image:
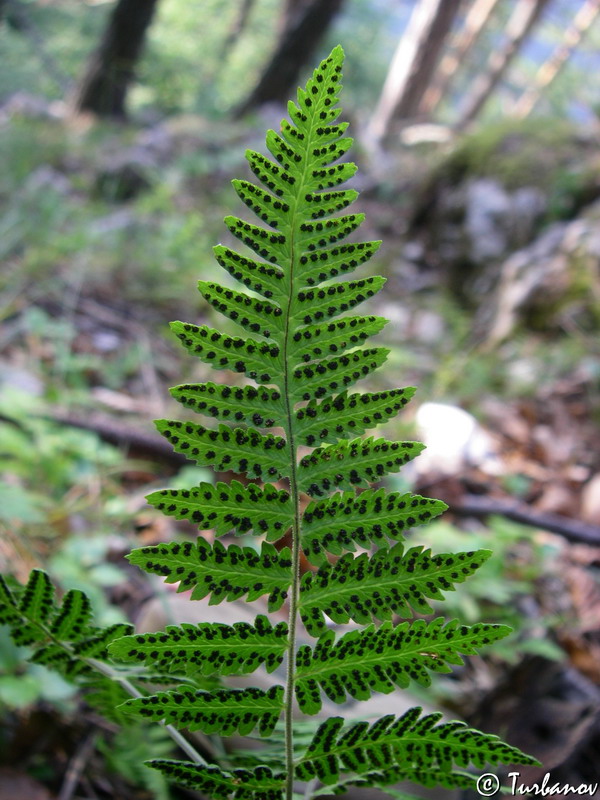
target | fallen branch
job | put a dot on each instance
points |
(140, 443)
(571, 529)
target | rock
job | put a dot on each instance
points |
(15, 784)
(23, 104)
(125, 175)
(488, 217)
(551, 711)
(454, 440)
(590, 500)
(46, 177)
(551, 281)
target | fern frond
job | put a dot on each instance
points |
(73, 617)
(332, 299)
(327, 263)
(381, 659)
(337, 417)
(239, 784)
(262, 278)
(62, 638)
(257, 316)
(107, 696)
(207, 649)
(303, 357)
(222, 711)
(262, 408)
(228, 507)
(224, 573)
(353, 463)
(390, 581)
(345, 520)
(97, 640)
(334, 338)
(260, 361)
(244, 451)
(267, 244)
(416, 741)
(316, 380)
(36, 604)
(385, 778)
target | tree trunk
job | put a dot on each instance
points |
(295, 49)
(237, 28)
(524, 17)
(477, 18)
(16, 16)
(109, 73)
(413, 64)
(291, 12)
(551, 68)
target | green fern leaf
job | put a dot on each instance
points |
(337, 417)
(262, 408)
(223, 711)
(255, 275)
(237, 449)
(224, 573)
(107, 696)
(353, 463)
(260, 361)
(390, 581)
(332, 299)
(207, 649)
(384, 778)
(239, 784)
(37, 600)
(257, 316)
(303, 358)
(267, 244)
(226, 507)
(411, 739)
(70, 624)
(9, 613)
(345, 520)
(317, 379)
(334, 338)
(98, 639)
(381, 659)
(35, 605)
(7, 598)
(342, 259)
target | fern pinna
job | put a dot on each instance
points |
(296, 431)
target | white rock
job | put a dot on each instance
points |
(454, 440)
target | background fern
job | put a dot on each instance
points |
(304, 361)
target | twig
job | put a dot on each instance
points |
(17, 14)
(573, 530)
(180, 740)
(76, 767)
(121, 434)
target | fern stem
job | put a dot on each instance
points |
(291, 673)
(113, 675)
(295, 569)
(179, 740)
(295, 498)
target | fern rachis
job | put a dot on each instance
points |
(302, 425)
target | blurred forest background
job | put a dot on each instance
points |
(477, 128)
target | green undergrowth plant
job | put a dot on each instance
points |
(296, 434)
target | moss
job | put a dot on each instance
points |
(518, 153)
